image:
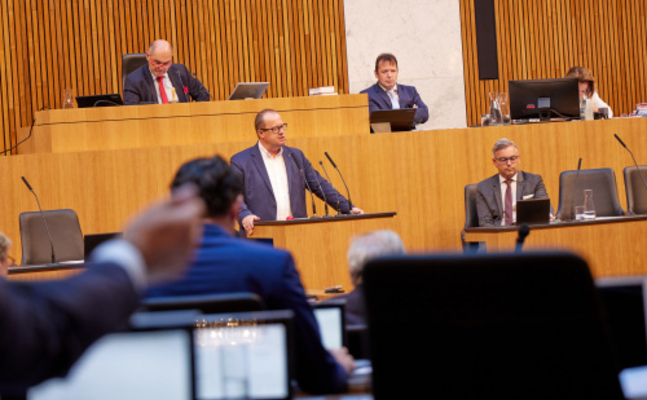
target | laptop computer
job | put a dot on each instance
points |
(248, 90)
(399, 120)
(99, 100)
(331, 320)
(533, 211)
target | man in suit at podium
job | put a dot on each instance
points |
(227, 264)
(274, 186)
(388, 94)
(496, 197)
(160, 81)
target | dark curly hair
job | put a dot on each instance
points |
(218, 185)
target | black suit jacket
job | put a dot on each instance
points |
(46, 326)
(489, 205)
(140, 86)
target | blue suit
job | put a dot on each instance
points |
(259, 196)
(46, 326)
(378, 99)
(140, 86)
(225, 264)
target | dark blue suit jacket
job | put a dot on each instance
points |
(46, 326)
(225, 264)
(378, 99)
(259, 196)
(140, 86)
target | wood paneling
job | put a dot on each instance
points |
(539, 39)
(49, 45)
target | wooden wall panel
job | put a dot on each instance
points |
(539, 39)
(49, 45)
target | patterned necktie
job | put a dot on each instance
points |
(162, 91)
(395, 103)
(508, 202)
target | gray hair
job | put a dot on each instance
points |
(503, 144)
(5, 243)
(372, 245)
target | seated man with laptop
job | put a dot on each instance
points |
(497, 196)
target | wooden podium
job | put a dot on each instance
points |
(319, 245)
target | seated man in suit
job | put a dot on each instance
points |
(160, 81)
(387, 94)
(46, 326)
(363, 249)
(274, 188)
(226, 264)
(496, 197)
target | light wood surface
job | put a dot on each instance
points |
(50, 45)
(611, 247)
(157, 125)
(544, 38)
(319, 246)
(419, 175)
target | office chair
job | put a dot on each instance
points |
(129, 63)
(66, 236)
(471, 219)
(505, 326)
(605, 192)
(635, 190)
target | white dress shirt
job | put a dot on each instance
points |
(168, 88)
(513, 186)
(275, 167)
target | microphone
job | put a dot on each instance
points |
(49, 236)
(577, 175)
(329, 181)
(322, 191)
(350, 203)
(303, 175)
(634, 158)
(182, 83)
(524, 231)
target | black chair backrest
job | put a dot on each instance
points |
(471, 216)
(635, 190)
(64, 229)
(605, 192)
(207, 304)
(493, 326)
(129, 63)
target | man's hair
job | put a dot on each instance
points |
(5, 243)
(584, 75)
(260, 117)
(217, 183)
(503, 144)
(372, 245)
(385, 57)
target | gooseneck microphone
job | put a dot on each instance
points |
(524, 231)
(186, 97)
(303, 175)
(329, 181)
(634, 158)
(577, 175)
(320, 189)
(51, 243)
(350, 203)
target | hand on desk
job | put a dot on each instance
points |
(248, 223)
(343, 358)
(356, 210)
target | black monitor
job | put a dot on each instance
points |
(544, 99)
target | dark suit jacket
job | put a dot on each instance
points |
(140, 86)
(46, 326)
(489, 205)
(355, 307)
(378, 99)
(259, 196)
(225, 264)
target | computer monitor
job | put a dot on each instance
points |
(248, 90)
(544, 99)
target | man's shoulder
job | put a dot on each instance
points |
(488, 182)
(530, 177)
(370, 89)
(138, 74)
(178, 67)
(244, 154)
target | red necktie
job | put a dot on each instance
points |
(508, 202)
(162, 91)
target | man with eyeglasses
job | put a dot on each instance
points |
(496, 197)
(274, 188)
(160, 81)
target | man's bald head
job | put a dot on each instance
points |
(159, 57)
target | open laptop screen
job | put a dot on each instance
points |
(330, 318)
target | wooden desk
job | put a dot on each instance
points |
(105, 128)
(45, 272)
(612, 247)
(319, 246)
